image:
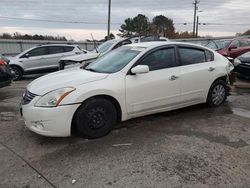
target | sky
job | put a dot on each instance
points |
(223, 17)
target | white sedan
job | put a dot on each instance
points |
(131, 81)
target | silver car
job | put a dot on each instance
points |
(41, 59)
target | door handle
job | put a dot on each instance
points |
(211, 69)
(41, 58)
(173, 77)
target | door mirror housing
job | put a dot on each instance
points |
(27, 55)
(232, 47)
(140, 69)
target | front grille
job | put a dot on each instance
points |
(28, 97)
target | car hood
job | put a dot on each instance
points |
(65, 78)
(81, 57)
(245, 57)
(12, 59)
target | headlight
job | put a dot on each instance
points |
(237, 62)
(54, 98)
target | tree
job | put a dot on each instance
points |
(6, 36)
(138, 25)
(111, 36)
(247, 32)
(17, 35)
(141, 24)
(127, 28)
(163, 26)
(183, 35)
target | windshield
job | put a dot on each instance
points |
(114, 61)
(222, 43)
(102, 48)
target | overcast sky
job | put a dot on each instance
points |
(95, 11)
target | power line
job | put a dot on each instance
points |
(215, 24)
(103, 23)
(57, 21)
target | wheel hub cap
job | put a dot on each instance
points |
(218, 94)
(97, 118)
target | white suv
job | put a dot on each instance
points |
(128, 82)
(41, 59)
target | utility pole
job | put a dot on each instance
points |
(109, 10)
(195, 11)
(197, 26)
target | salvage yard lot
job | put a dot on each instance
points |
(192, 147)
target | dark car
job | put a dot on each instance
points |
(5, 72)
(233, 47)
(242, 65)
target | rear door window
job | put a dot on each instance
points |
(189, 56)
(56, 49)
(40, 51)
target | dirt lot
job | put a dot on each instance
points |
(192, 147)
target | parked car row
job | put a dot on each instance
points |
(234, 47)
(128, 82)
(237, 50)
(53, 57)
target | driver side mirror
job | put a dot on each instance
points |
(140, 69)
(232, 47)
(27, 55)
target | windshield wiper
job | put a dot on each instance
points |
(90, 69)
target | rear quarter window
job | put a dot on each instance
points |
(189, 56)
(56, 49)
(68, 48)
(209, 56)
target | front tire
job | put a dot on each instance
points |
(95, 118)
(217, 93)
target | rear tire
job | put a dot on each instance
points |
(217, 93)
(18, 73)
(95, 118)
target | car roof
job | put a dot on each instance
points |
(72, 45)
(162, 43)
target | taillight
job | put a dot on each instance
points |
(2, 63)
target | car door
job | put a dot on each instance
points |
(157, 90)
(33, 60)
(197, 73)
(55, 54)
